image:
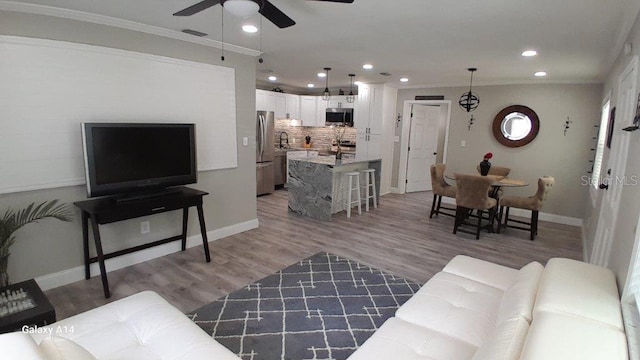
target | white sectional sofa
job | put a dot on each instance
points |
(142, 326)
(478, 310)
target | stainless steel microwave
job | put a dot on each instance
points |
(339, 116)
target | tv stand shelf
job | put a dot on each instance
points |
(108, 210)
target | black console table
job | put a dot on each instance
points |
(109, 209)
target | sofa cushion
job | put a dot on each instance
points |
(581, 289)
(455, 306)
(555, 336)
(484, 272)
(518, 299)
(19, 345)
(400, 340)
(59, 348)
(506, 341)
(142, 326)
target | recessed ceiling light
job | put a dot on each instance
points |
(357, 83)
(310, 85)
(321, 74)
(273, 78)
(249, 28)
(540, 74)
(404, 79)
(529, 53)
(367, 66)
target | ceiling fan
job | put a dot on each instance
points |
(245, 8)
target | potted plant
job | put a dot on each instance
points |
(12, 220)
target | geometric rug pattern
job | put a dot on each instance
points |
(321, 308)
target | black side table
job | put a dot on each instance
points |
(42, 314)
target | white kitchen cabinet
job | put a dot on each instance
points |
(293, 106)
(340, 101)
(369, 146)
(369, 110)
(308, 111)
(321, 111)
(281, 106)
(287, 106)
(265, 100)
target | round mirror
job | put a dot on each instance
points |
(515, 126)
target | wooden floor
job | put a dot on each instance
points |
(398, 237)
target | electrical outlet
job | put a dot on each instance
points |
(145, 227)
(463, 143)
(245, 141)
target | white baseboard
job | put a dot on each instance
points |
(69, 276)
(558, 219)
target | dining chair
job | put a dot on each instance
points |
(440, 188)
(497, 170)
(473, 194)
(533, 203)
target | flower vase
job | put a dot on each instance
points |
(485, 165)
(338, 153)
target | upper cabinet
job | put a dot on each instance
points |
(339, 101)
(368, 110)
(287, 106)
(265, 100)
(293, 106)
(308, 111)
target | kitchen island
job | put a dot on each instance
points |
(316, 184)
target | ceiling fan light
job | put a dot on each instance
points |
(241, 8)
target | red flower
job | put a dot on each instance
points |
(488, 156)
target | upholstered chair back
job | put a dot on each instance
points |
(545, 184)
(534, 202)
(439, 186)
(473, 191)
(497, 170)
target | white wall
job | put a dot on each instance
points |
(49, 246)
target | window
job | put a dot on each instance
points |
(597, 161)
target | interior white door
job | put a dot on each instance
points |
(616, 167)
(423, 146)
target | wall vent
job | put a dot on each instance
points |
(194, 32)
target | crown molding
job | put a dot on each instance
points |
(120, 23)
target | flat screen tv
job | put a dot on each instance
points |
(125, 158)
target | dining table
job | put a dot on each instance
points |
(498, 183)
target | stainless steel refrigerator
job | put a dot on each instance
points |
(265, 150)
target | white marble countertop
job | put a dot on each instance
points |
(331, 160)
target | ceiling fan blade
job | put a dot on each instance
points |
(338, 1)
(276, 16)
(193, 9)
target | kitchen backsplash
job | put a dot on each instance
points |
(321, 137)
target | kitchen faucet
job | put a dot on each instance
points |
(286, 138)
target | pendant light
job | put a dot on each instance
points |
(469, 101)
(351, 98)
(326, 95)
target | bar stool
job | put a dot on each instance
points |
(351, 176)
(370, 188)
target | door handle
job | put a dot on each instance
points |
(435, 153)
(604, 186)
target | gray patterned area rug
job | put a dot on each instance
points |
(324, 307)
